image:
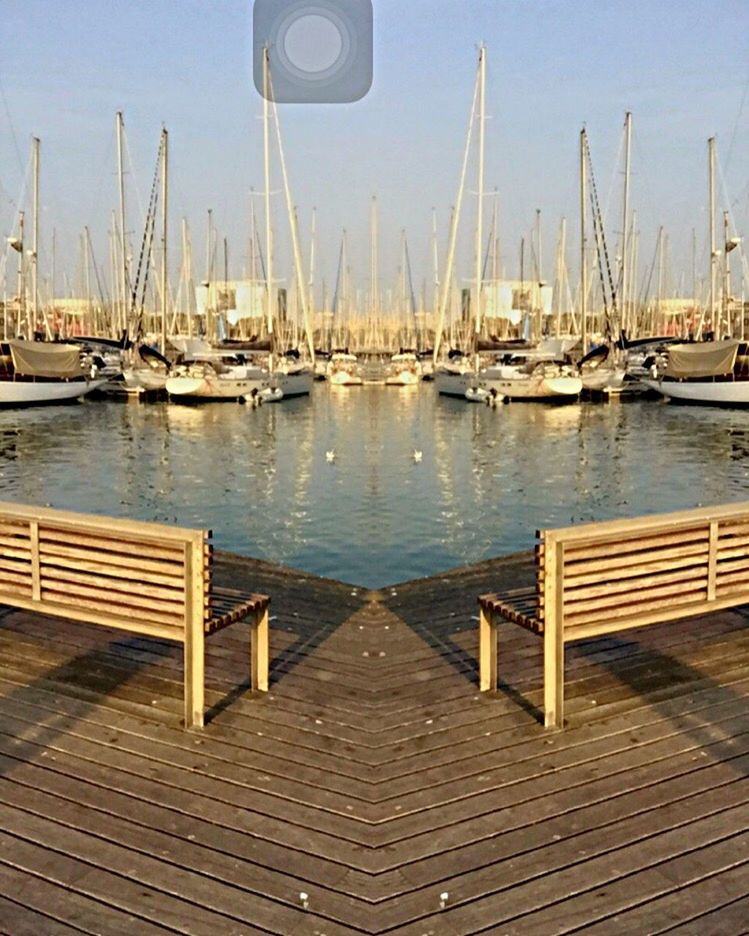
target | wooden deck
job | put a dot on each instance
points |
(374, 777)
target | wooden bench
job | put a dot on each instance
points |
(600, 578)
(147, 578)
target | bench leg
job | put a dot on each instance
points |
(259, 660)
(487, 652)
(195, 676)
(553, 676)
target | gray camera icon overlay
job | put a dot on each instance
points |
(319, 51)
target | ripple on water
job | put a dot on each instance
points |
(261, 481)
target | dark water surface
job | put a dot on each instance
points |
(373, 515)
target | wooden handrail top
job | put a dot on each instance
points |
(631, 526)
(70, 520)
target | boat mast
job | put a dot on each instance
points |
(711, 209)
(164, 219)
(560, 277)
(435, 262)
(447, 282)
(659, 300)
(123, 238)
(35, 243)
(208, 274)
(312, 257)
(625, 221)
(373, 261)
(298, 268)
(21, 280)
(583, 258)
(726, 277)
(268, 230)
(480, 218)
(539, 277)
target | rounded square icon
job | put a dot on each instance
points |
(319, 51)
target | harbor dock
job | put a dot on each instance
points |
(373, 789)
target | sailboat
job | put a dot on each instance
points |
(38, 372)
(404, 367)
(458, 375)
(711, 373)
(289, 374)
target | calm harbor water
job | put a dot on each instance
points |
(373, 515)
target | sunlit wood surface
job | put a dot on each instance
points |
(373, 778)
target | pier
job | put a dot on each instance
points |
(373, 789)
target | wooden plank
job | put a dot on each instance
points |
(665, 522)
(52, 552)
(718, 903)
(635, 542)
(637, 595)
(71, 610)
(43, 908)
(57, 594)
(259, 659)
(171, 576)
(146, 546)
(651, 560)
(621, 585)
(488, 651)
(554, 627)
(194, 653)
(137, 588)
(63, 519)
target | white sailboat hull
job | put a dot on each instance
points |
(296, 383)
(717, 393)
(341, 378)
(603, 378)
(535, 387)
(405, 378)
(144, 380)
(37, 393)
(454, 384)
(213, 388)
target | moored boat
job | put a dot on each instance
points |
(344, 370)
(206, 382)
(542, 381)
(711, 373)
(404, 370)
(34, 373)
(455, 377)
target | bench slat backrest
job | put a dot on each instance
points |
(139, 576)
(621, 574)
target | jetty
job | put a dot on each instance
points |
(373, 789)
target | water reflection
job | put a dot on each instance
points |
(373, 515)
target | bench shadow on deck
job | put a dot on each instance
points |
(373, 778)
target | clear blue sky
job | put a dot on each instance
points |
(681, 67)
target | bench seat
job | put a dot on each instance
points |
(228, 605)
(519, 606)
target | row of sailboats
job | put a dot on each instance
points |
(284, 375)
(467, 359)
(533, 374)
(701, 371)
